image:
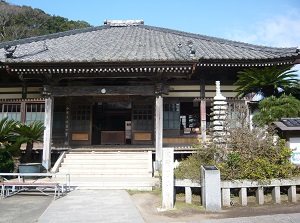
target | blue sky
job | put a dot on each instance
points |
(263, 22)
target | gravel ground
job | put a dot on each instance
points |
(147, 204)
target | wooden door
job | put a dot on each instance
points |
(142, 123)
(80, 126)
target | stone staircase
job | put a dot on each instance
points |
(108, 170)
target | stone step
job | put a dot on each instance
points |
(106, 174)
(101, 170)
(105, 162)
(109, 155)
(97, 168)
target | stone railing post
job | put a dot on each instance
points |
(211, 188)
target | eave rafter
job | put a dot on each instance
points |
(241, 63)
(29, 71)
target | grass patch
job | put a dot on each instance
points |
(132, 192)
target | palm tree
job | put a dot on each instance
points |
(294, 90)
(267, 81)
(7, 127)
(8, 143)
(30, 134)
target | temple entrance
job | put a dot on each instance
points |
(109, 120)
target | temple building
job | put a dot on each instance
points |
(124, 84)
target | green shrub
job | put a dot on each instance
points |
(251, 158)
(191, 166)
(6, 162)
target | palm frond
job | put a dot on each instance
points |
(265, 81)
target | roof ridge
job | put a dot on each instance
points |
(52, 36)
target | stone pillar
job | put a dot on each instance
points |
(211, 188)
(226, 196)
(292, 196)
(188, 195)
(243, 196)
(49, 102)
(260, 195)
(168, 179)
(276, 194)
(158, 131)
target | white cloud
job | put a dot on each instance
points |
(277, 31)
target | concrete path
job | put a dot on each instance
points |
(116, 206)
(92, 206)
(99, 206)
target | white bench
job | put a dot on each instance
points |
(9, 188)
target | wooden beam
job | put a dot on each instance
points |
(102, 90)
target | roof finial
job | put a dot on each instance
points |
(116, 23)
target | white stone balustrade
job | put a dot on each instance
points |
(243, 186)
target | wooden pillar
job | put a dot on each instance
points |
(158, 131)
(203, 111)
(49, 102)
(203, 120)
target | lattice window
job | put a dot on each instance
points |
(143, 117)
(81, 115)
(171, 118)
(11, 111)
(35, 112)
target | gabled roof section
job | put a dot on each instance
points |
(136, 43)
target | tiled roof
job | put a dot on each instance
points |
(286, 124)
(137, 43)
(291, 122)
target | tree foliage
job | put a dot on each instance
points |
(8, 145)
(272, 109)
(17, 22)
(266, 81)
(29, 134)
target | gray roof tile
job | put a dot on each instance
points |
(135, 43)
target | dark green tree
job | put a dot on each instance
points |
(272, 109)
(17, 22)
(266, 81)
(9, 149)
